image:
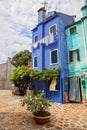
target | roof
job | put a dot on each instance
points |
(84, 7)
(56, 14)
(77, 22)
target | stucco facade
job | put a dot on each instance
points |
(5, 71)
(45, 44)
(77, 56)
(69, 45)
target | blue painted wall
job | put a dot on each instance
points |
(53, 95)
(43, 53)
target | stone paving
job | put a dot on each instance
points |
(64, 116)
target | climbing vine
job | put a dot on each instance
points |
(22, 75)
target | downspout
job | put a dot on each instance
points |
(61, 62)
(60, 58)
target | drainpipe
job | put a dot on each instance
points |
(61, 80)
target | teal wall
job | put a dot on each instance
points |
(84, 11)
(78, 41)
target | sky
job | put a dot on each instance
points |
(19, 17)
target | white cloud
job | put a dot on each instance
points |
(18, 17)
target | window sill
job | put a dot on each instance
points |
(54, 90)
(53, 63)
(73, 62)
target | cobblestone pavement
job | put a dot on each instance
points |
(64, 116)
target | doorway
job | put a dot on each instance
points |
(75, 89)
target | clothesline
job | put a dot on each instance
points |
(46, 40)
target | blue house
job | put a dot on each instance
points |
(49, 50)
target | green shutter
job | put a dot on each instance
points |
(70, 56)
(36, 39)
(53, 29)
(58, 83)
(35, 61)
(54, 56)
(73, 30)
(78, 56)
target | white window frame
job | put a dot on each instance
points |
(56, 29)
(50, 57)
(33, 62)
(73, 27)
(34, 38)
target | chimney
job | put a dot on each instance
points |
(74, 16)
(41, 15)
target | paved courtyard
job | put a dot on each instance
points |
(64, 116)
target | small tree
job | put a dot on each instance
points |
(21, 58)
(20, 76)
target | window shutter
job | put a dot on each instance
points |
(54, 56)
(54, 30)
(70, 56)
(35, 38)
(78, 56)
(51, 30)
(35, 62)
(58, 83)
(73, 30)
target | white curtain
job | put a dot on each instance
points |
(74, 90)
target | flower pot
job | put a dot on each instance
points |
(41, 119)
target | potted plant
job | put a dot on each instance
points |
(37, 104)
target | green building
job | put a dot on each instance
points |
(77, 57)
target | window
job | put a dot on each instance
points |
(54, 84)
(74, 55)
(36, 38)
(35, 61)
(53, 30)
(73, 30)
(54, 56)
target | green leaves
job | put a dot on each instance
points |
(21, 58)
(36, 102)
(46, 74)
(22, 75)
